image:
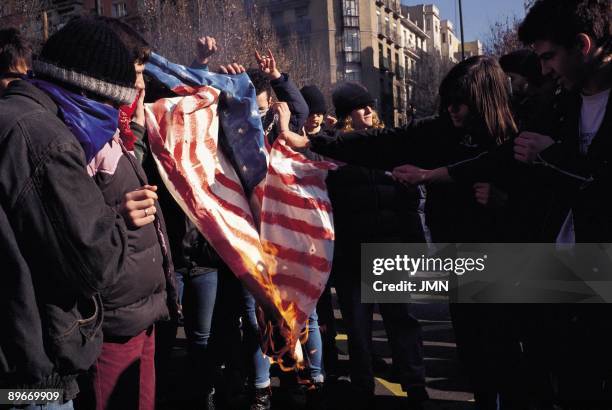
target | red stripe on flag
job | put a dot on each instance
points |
(289, 153)
(291, 199)
(304, 258)
(229, 183)
(297, 225)
(299, 284)
(309, 180)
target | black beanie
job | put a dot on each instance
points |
(349, 96)
(523, 62)
(314, 98)
(87, 54)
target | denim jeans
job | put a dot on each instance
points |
(260, 373)
(313, 349)
(49, 406)
(199, 299)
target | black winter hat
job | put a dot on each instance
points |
(524, 62)
(315, 99)
(87, 54)
(349, 96)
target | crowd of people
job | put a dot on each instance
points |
(101, 265)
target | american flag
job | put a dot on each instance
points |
(278, 240)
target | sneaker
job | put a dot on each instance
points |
(262, 399)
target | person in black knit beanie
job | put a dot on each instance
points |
(62, 243)
(317, 108)
(85, 54)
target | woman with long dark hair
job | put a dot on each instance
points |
(474, 117)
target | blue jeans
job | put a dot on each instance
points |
(314, 348)
(49, 406)
(260, 373)
(199, 299)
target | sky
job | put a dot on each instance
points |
(478, 15)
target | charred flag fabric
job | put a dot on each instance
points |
(266, 212)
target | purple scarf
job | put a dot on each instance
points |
(92, 123)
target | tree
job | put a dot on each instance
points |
(239, 27)
(430, 70)
(27, 15)
(503, 37)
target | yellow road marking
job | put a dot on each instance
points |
(394, 388)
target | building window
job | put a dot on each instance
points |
(350, 13)
(444, 37)
(387, 27)
(351, 45)
(119, 10)
(351, 39)
(352, 74)
(379, 23)
(397, 64)
(428, 25)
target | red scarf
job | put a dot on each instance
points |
(126, 112)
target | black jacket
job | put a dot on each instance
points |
(582, 182)
(452, 213)
(144, 289)
(370, 207)
(561, 179)
(286, 91)
(60, 246)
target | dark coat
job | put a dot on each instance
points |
(370, 207)
(60, 245)
(582, 182)
(452, 213)
(138, 297)
(285, 90)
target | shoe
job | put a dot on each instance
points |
(262, 399)
(315, 399)
(416, 396)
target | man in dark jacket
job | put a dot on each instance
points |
(575, 48)
(61, 243)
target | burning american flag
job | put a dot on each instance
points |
(266, 213)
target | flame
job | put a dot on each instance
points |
(279, 341)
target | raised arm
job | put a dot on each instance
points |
(285, 90)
